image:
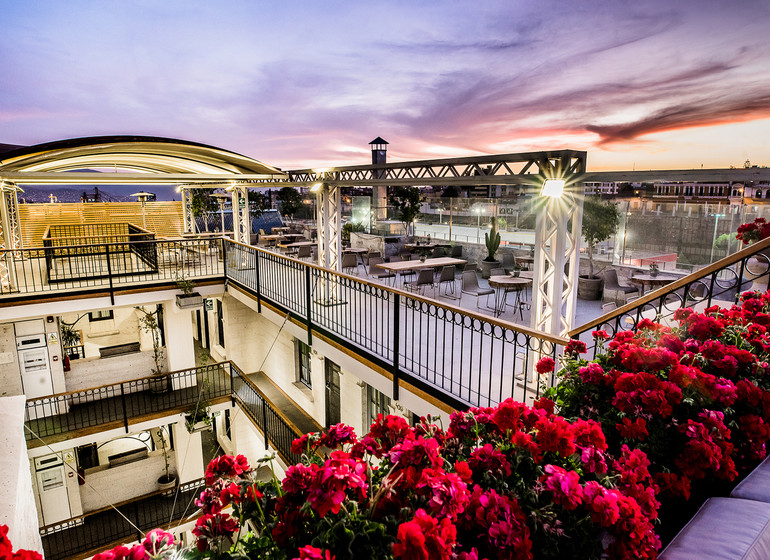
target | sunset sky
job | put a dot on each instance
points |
(638, 84)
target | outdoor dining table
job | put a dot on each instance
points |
(528, 259)
(271, 239)
(402, 266)
(295, 244)
(280, 229)
(427, 246)
(438, 262)
(653, 282)
(505, 284)
(359, 252)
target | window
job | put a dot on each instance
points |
(377, 403)
(303, 360)
(103, 315)
(220, 324)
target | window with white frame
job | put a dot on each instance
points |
(303, 363)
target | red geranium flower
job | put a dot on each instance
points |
(545, 365)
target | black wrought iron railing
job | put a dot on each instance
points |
(100, 529)
(120, 403)
(276, 429)
(458, 356)
(720, 283)
(108, 266)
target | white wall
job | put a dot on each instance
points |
(10, 375)
(105, 486)
(189, 453)
(180, 351)
(17, 499)
(254, 341)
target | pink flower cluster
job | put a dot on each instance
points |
(679, 394)
(156, 544)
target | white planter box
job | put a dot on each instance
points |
(189, 301)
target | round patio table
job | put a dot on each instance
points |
(505, 284)
(653, 282)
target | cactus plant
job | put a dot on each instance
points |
(492, 240)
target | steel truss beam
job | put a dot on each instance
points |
(503, 169)
(10, 232)
(241, 216)
(557, 248)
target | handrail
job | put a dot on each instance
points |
(676, 285)
(191, 483)
(110, 385)
(264, 397)
(440, 304)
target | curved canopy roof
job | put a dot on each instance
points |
(141, 159)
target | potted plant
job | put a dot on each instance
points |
(70, 338)
(516, 270)
(406, 201)
(148, 322)
(167, 480)
(188, 299)
(492, 241)
(198, 418)
(654, 270)
(599, 222)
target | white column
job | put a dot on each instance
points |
(180, 352)
(241, 216)
(188, 454)
(187, 213)
(554, 290)
(10, 234)
(329, 229)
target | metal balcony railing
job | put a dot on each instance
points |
(121, 404)
(101, 529)
(720, 283)
(460, 357)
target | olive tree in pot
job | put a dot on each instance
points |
(167, 480)
(600, 218)
(492, 241)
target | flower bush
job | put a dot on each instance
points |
(6, 548)
(513, 482)
(661, 415)
(693, 398)
(753, 231)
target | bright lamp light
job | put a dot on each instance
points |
(553, 188)
(316, 187)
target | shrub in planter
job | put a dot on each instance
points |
(693, 398)
(504, 482)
